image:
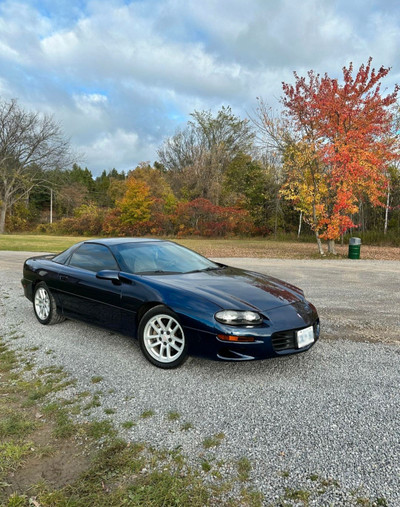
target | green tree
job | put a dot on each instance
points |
(197, 157)
(250, 185)
(103, 194)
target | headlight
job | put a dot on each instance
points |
(235, 317)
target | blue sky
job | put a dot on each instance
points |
(121, 76)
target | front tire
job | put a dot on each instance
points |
(162, 339)
(44, 306)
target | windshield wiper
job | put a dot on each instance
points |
(156, 272)
(210, 268)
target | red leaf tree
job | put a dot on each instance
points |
(347, 129)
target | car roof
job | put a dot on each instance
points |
(119, 241)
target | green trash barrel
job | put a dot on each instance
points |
(354, 248)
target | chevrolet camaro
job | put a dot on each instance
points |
(173, 300)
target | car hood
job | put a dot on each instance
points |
(236, 288)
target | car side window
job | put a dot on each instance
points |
(93, 257)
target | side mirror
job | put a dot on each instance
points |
(114, 276)
(107, 274)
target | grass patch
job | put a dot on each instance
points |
(15, 425)
(213, 441)
(186, 426)
(100, 429)
(251, 498)
(173, 416)
(50, 380)
(64, 427)
(283, 246)
(96, 379)
(12, 454)
(37, 242)
(135, 475)
(244, 468)
(95, 402)
(298, 495)
(8, 359)
(33, 349)
(127, 425)
(205, 466)
(147, 413)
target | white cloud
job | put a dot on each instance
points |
(127, 148)
(92, 105)
(122, 75)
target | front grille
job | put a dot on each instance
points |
(283, 340)
(316, 329)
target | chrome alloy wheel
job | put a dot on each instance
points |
(42, 303)
(163, 338)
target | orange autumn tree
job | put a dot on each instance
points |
(132, 209)
(344, 147)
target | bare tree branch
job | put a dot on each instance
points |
(30, 144)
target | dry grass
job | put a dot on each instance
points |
(210, 247)
(265, 248)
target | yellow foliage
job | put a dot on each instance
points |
(135, 206)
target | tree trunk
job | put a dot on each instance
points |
(300, 220)
(362, 217)
(387, 210)
(3, 212)
(320, 249)
(276, 216)
(331, 246)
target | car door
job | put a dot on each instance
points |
(85, 297)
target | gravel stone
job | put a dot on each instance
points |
(326, 421)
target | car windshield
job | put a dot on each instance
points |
(159, 257)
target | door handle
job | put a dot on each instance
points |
(63, 278)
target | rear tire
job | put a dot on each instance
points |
(162, 339)
(44, 306)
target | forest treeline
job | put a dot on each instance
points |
(327, 165)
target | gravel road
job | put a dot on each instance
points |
(324, 420)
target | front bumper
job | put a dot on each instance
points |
(28, 288)
(275, 337)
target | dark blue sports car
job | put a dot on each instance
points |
(173, 300)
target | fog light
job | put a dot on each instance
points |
(231, 338)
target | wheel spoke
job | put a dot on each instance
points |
(160, 323)
(153, 344)
(169, 351)
(173, 326)
(155, 329)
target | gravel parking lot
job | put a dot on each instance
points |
(327, 419)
